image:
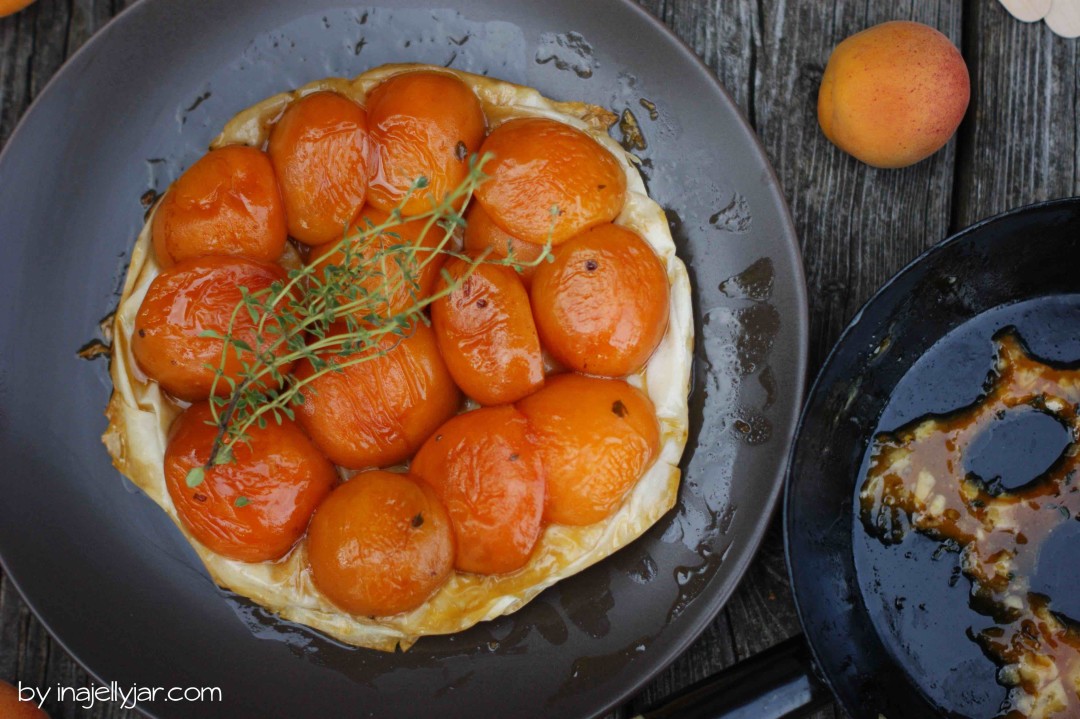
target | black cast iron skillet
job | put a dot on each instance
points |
(887, 626)
(105, 569)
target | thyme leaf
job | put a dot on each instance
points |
(338, 315)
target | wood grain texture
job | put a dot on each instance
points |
(858, 225)
(1019, 141)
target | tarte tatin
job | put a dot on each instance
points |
(515, 407)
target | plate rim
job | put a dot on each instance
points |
(748, 550)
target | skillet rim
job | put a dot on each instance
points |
(790, 510)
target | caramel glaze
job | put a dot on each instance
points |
(917, 480)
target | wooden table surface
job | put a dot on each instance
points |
(858, 225)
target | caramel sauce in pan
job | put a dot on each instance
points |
(917, 480)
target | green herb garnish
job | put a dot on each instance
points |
(306, 314)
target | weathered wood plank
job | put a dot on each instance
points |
(1020, 137)
(16, 48)
(858, 225)
(24, 648)
(87, 17)
(51, 20)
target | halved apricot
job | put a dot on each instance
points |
(188, 299)
(486, 333)
(380, 544)
(602, 305)
(424, 124)
(396, 278)
(320, 149)
(481, 234)
(541, 167)
(485, 468)
(596, 437)
(227, 203)
(255, 508)
(377, 412)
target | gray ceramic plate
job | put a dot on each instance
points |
(104, 568)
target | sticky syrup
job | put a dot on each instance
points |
(927, 483)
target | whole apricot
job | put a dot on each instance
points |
(893, 94)
(380, 544)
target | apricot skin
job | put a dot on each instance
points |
(319, 148)
(601, 306)
(485, 468)
(188, 299)
(400, 291)
(487, 335)
(380, 544)
(227, 203)
(541, 165)
(10, 7)
(596, 438)
(423, 124)
(893, 94)
(280, 474)
(377, 412)
(483, 235)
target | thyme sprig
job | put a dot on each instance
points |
(337, 315)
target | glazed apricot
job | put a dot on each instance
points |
(255, 508)
(481, 234)
(601, 306)
(320, 149)
(188, 299)
(388, 279)
(424, 124)
(540, 164)
(377, 412)
(380, 544)
(596, 438)
(10, 705)
(484, 467)
(227, 203)
(487, 335)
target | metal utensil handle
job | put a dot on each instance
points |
(779, 683)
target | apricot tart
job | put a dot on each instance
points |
(401, 351)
